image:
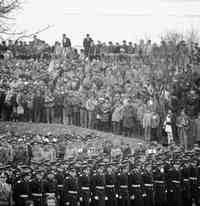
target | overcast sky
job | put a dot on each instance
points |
(108, 19)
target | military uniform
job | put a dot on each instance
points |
(60, 185)
(50, 187)
(98, 188)
(37, 191)
(135, 188)
(122, 188)
(148, 190)
(70, 190)
(22, 191)
(198, 188)
(186, 187)
(160, 187)
(194, 182)
(84, 183)
(174, 188)
(110, 190)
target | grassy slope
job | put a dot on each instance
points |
(59, 129)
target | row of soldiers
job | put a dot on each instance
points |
(144, 178)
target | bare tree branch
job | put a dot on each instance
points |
(6, 32)
(7, 7)
(35, 33)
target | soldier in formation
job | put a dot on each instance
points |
(144, 178)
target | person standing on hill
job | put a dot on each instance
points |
(91, 106)
(129, 118)
(86, 44)
(182, 124)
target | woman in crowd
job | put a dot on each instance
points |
(91, 107)
(49, 104)
(182, 124)
(129, 117)
(117, 118)
(168, 127)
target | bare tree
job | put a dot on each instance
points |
(7, 8)
(192, 36)
(172, 36)
(30, 35)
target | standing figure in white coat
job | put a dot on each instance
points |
(168, 127)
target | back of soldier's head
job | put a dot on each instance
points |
(29, 203)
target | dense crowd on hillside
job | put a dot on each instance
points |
(129, 89)
(141, 89)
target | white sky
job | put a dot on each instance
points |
(108, 19)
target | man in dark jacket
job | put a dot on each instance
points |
(38, 107)
(66, 42)
(98, 50)
(71, 188)
(86, 44)
(2, 99)
(129, 118)
(92, 51)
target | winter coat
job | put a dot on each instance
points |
(155, 120)
(129, 116)
(197, 129)
(117, 114)
(147, 119)
(91, 104)
(68, 105)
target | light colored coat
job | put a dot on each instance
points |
(197, 129)
(117, 114)
(147, 120)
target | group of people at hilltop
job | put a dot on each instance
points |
(96, 49)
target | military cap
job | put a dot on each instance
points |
(70, 158)
(35, 163)
(197, 150)
(71, 168)
(111, 164)
(77, 165)
(119, 165)
(57, 164)
(26, 171)
(101, 164)
(123, 164)
(40, 169)
(85, 166)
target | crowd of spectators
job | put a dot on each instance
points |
(109, 87)
(19, 49)
(28, 147)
